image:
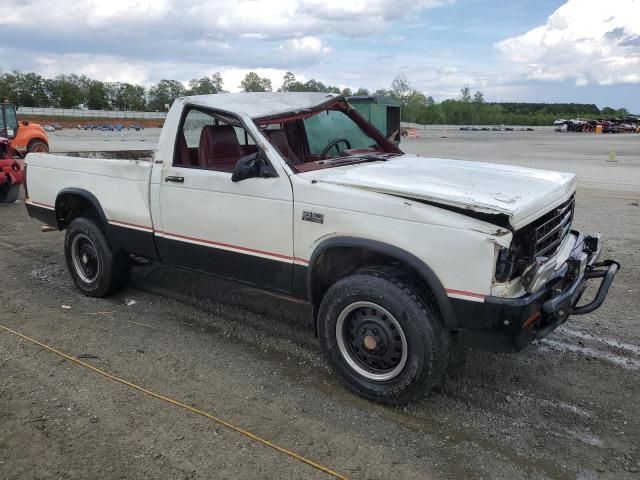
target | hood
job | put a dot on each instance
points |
(522, 194)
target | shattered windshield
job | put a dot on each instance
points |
(333, 126)
(328, 137)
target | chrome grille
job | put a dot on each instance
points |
(549, 235)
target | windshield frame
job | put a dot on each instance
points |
(387, 148)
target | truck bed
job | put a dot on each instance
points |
(120, 186)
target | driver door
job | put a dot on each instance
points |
(239, 230)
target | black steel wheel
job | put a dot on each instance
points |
(97, 268)
(382, 336)
(371, 341)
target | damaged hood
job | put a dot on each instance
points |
(522, 194)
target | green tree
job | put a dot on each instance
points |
(381, 92)
(400, 88)
(26, 89)
(415, 102)
(206, 85)
(254, 83)
(126, 96)
(346, 92)
(65, 91)
(288, 81)
(465, 94)
(478, 97)
(95, 93)
(164, 93)
(362, 92)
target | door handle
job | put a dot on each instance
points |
(174, 179)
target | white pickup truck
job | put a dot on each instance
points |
(297, 193)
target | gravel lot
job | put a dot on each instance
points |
(566, 407)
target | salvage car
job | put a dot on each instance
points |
(297, 193)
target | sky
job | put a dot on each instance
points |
(585, 51)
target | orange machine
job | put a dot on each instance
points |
(24, 137)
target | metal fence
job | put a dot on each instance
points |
(419, 126)
(89, 114)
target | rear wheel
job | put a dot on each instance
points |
(37, 146)
(9, 194)
(382, 336)
(97, 269)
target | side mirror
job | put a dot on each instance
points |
(251, 166)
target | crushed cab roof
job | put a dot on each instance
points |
(261, 104)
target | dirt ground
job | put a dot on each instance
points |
(565, 408)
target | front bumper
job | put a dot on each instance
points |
(510, 324)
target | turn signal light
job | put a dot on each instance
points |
(532, 319)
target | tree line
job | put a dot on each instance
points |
(79, 91)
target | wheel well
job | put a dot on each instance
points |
(336, 263)
(340, 261)
(38, 139)
(71, 205)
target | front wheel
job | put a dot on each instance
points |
(382, 336)
(97, 269)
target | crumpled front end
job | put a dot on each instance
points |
(509, 324)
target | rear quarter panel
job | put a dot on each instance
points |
(121, 186)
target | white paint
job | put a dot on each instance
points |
(523, 194)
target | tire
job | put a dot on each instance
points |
(10, 194)
(37, 146)
(383, 336)
(405, 133)
(97, 269)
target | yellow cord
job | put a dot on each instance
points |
(230, 426)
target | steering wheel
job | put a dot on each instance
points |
(334, 143)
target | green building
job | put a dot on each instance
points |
(382, 112)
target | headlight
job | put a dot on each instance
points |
(538, 273)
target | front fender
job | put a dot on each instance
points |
(425, 272)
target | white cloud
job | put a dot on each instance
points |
(586, 41)
(286, 18)
(252, 18)
(146, 40)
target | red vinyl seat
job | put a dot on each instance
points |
(182, 150)
(279, 140)
(219, 148)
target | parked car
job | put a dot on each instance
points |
(48, 128)
(56, 126)
(297, 193)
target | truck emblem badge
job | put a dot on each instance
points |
(313, 217)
